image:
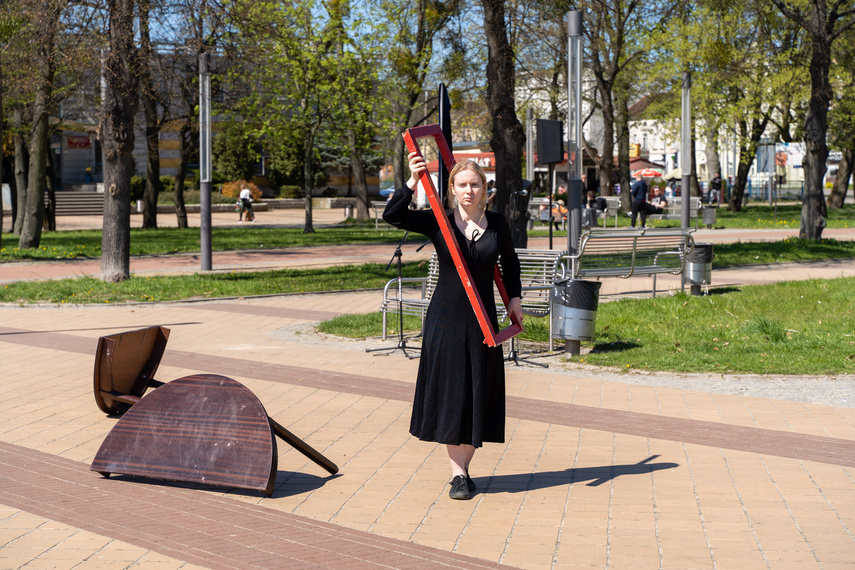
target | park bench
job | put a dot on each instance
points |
(674, 210)
(377, 207)
(538, 271)
(626, 253)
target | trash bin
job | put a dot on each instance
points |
(699, 266)
(348, 211)
(708, 216)
(574, 311)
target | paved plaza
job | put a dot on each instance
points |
(600, 468)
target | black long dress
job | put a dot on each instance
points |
(460, 390)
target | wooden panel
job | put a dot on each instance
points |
(491, 338)
(203, 428)
(125, 365)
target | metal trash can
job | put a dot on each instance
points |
(348, 211)
(574, 311)
(699, 266)
(708, 214)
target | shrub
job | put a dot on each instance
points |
(137, 187)
(167, 184)
(232, 189)
(290, 192)
(329, 192)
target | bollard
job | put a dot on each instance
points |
(574, 312)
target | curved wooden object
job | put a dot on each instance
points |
(125, 365)
(491, 337)
(203, 428)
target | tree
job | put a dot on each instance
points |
(842, 119)
(508, 134)
(823, 24)
(291, 64)
(149, 99)
(44, 67)
(414, 26)
(116, 132)
(614, 43)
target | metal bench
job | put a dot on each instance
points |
(377, 206)
(538, 271)
(674, 210)
(629, 252)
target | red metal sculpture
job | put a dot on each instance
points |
(491, 337)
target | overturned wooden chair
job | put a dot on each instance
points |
(202, 428)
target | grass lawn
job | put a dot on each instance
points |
(811, 330)
(205, 286)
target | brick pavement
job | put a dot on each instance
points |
(599, 470)
(594, 473)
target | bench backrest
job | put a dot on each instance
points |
(623, 253)
(538, 270)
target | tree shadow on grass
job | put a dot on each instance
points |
(595, 476)
(616, 346)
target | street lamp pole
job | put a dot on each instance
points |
(574, 132)
(205, 164)
(686, 149)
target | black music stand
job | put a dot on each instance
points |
(402, 342)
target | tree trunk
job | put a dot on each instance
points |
(841, 184)
(508, 137)
(713, 161)
(50, 212)
(152, 127)
(34, 214)
(622, 134)
(308, 180)
(185, 149)
(21, 160)
(116, 131)
(359, 179)
(693, 180)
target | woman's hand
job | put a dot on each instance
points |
(515, 309)
(417, 166)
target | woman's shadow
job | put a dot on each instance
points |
(594, 475)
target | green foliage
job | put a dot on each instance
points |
(290, 192)
(137, 187)
(234, 152)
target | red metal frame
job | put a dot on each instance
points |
(491, 337)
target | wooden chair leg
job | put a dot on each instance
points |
(303, 447)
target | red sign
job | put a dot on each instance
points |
(79, 141)
(491, 337)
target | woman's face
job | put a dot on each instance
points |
(468, 189)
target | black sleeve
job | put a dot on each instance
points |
(398, 213)
(510, 260)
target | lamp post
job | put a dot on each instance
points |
(205, 166)
(574, 132)
(686, 149)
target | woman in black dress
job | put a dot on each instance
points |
(460, 390)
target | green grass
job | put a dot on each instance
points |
(205, 286)
(808, 329)
(87, 243)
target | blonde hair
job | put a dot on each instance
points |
(459, 167)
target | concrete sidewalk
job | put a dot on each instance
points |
(600, 469)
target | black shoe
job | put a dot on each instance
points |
(459, 489)
(470, 484)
